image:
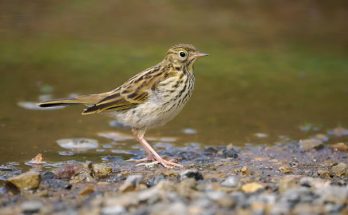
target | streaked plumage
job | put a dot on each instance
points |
(149, 99)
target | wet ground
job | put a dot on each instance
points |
(301, 177)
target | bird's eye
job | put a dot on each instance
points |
(182, 54)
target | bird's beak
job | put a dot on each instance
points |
(200, 54)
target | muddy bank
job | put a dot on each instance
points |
(301, 177)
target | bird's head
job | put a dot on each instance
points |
(183, 55)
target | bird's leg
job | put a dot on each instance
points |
(151, 153)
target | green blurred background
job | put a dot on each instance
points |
(276, 67)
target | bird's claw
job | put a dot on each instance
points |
(150, 162)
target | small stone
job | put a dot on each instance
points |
(38, 159)
(309, 144)
(101, 170)
(169, 209)
(245, 170)
(339, 132)
(210, 151)
(252, 187)
(230, 152)
(323, 173)
(131, 183)
(49, 180)
(231, 181)
(88, 189)
(340, 147)
(113, 210)
(340, 169)
(312, 182)
(26, 181)
(285, 169)
(155, 180)
(150, 196)
(191, 173)
(30, 207)
(186, 187)
(287, 182)
(165, 185)
(221, 198)
(305, 208)
(170, 173)
(68, 171)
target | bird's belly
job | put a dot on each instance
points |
(157, 111)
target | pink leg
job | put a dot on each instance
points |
(151, 153)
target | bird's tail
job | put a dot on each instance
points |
(60, 102)
(81, 99)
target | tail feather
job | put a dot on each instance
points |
(89, 100)
(59, 102)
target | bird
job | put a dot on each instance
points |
(149, 99)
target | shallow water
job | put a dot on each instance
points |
(250, 90)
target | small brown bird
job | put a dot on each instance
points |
(149, 99)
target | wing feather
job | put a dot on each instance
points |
(133, 92)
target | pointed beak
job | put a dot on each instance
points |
(200, 54)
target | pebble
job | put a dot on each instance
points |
(186, 187)
(174, 208)
(340, 147)
(221, 198)
(113, 210)
(230, 152)
(191, 173)
(155, 180)
(67, 171)
(309, 144)
(88, 189)
(26, 181)
(131, 183)
(245, 170)
(231, 181)
(285, 169)
(252, 187)
(311, 182)
(340, 169)
(287, 182)
(30, 207)
(339, 132)
(101, 170)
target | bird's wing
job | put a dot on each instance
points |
(133, 92)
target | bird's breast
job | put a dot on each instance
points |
(175, 89)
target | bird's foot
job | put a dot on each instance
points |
(169, 164)
(151, 161)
